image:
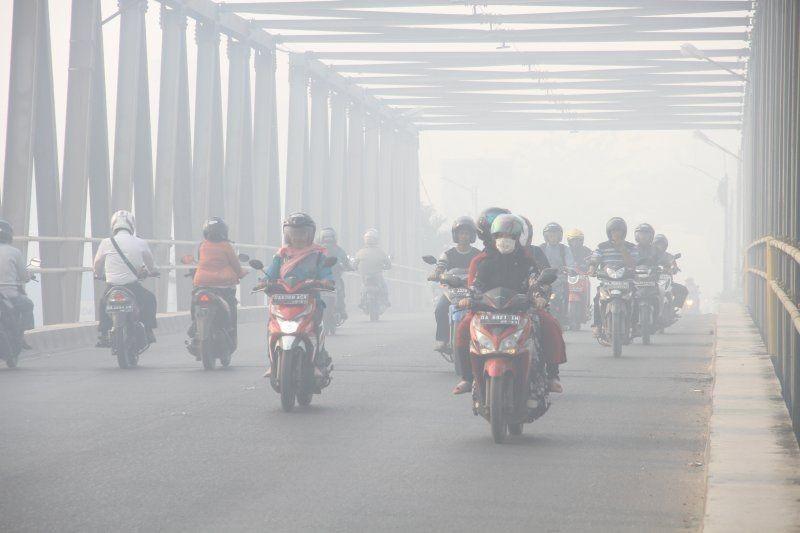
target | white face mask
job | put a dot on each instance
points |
(505, 245)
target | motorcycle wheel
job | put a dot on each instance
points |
(575, 317)
(118, 346)
(645, 324)
(515, 429)
(12, 360)
(374, 315)
(209, 361)
(307, 371)
(497, 417)
(225, 361)
(286, 376)
(615, 327)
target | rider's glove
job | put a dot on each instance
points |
(539, 302)
(435, 276)
(327, 284)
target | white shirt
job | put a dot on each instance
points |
(108, 262)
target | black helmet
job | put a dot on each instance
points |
(662, 240)
(553, 226)
(327, 235)
(616, 223)
(464, 223)
(6, 231)
(215, 229)
(485, 220)
(644, 229)
(301, 220)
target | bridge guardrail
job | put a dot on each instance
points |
(772, 294)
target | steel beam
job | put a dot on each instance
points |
(336, 198)
(265, 152)
(386, 172)
(236, 135)
(297, 139)
(319, 156)
(354, 177)
(374, 199)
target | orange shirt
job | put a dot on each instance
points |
(217, 265)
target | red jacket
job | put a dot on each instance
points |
(217, 265)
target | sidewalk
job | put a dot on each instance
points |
(754, 465)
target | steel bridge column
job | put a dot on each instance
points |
(297, 140)
(265, 155)
(318, 197)
(336, 198)
(207, 158)
(371, 188)
(354, 177)
(386, 200)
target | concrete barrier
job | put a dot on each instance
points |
(61, 337)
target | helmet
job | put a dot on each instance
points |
(464, 223)
(485, 220)
(327, 236)
(300, 220)
(616, 223)
(123, 220)
(527, 232)
(553, 227)
(574, 233)
(662, 240)
(371, 237)
(508, 224)
(215, 229)
(644, 229)
(6, 231)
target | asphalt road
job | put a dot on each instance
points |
(85, 446)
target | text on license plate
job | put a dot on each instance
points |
(499, 319)
(290, 299)
(645, 283)
(616, 285)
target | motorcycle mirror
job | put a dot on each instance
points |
(330, 261)
(677, 256)
(429, 259)
(256, 264)
(244, 258)
(548, 276)
(187, 259)
(35, 262)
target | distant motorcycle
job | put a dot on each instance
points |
(215, 326)
(647, 301)
(372, 297)
(331, 318)
(127, 336)
(12, 336)
(616, 294)
(579, 299)
(454, 288)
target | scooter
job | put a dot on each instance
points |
(12, 336)
(127, 336)
(454, 287)
(616, 294)
(579, 289)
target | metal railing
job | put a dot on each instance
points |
(771, 293)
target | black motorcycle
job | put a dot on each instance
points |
(372, 298)
(616, 294)
(454, 288)
(647, 301)
(127, 337)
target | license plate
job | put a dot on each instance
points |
(498, 319)
(460, 293)
(622, 285)
(119, 308)
(290, 299)
(645, 283)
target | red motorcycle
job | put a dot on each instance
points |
(296, 342)
(579, 299)
(510, 387)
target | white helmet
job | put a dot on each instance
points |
(123, 220)
(371, 237)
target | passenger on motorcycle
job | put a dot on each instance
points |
(652, 255)
(218, 268)
(13, 277)
(371, 261)
(464, 233)
(679, 292)
(327, 239)
(553, 346)
(526, 240)
(299, 260)
(558, 254)
(615, 250)
(124, 260)
(580, 252)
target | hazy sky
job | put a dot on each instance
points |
(577, 179)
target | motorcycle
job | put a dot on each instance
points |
(372, 297)
(127, 336)
(511, 386)
(12, 335)
(647, 301)
(331, 319)
(214, 323)
(616, 293)
(559, 298)
(296, 346)
(579, 299)
(454, 288)
(669, 312)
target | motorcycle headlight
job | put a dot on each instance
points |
(689, 302)
(572, 280)
(288, 326)
(615, 273)
(509, 344)
(485, 343)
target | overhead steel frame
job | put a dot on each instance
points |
(771, 190)
(207, 174)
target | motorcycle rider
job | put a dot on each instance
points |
(615, 250)
(464, 233)
(644, 235)
(217, 267)
(371, 261)
(13, 277)
(327, 239)
(300, 259)
(123, 260)
(679, 292)
(560, 256)
(580, 252)
(526, 240)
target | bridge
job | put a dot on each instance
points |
(258, 109)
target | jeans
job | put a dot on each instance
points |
(442, 314)
(145, 299)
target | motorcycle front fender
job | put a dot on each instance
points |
(498, 366)
(287, 342)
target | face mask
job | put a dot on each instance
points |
(505, 245)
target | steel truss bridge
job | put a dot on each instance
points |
(366, 78)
